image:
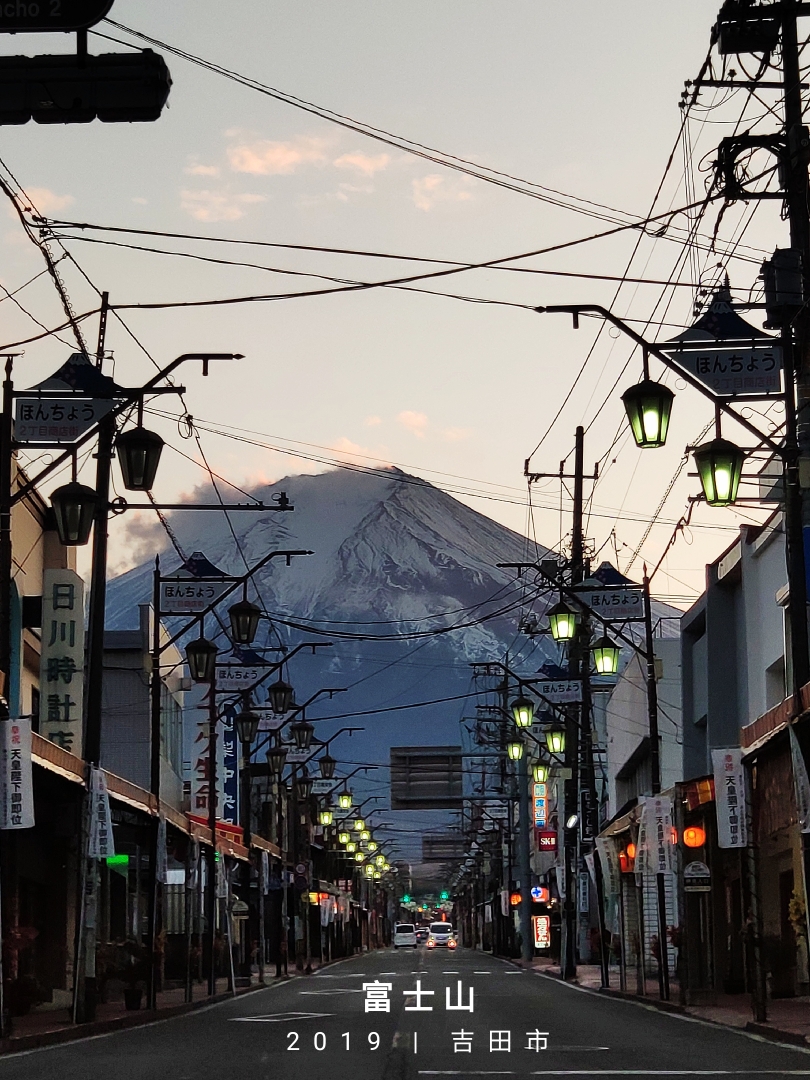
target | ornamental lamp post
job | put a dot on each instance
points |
(605, 656)
(359, 824)
(345, 800)
(247, 727)
(327, 766)
(276, 759)
(555, 740)
(280, 695)
(562, 622)
(305, 787)
(359, 857)
(139, 453)
(515, 751)
(74, 507)
(351, 847)
(540, 773)
(344, 838)
(719, 464)
(648, 406)
(244, 618)
(201, 656)
(302, 732)
(523, 711)
(326, 817)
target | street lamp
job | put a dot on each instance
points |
(562, 622)
(326, 817)
(605, 656)
(345, 800)
(359, 824)
(247, 726)
(540, 773)
(523, 711)
(305, 787)
(276, 757)
(719, 464)
(380, 860)
(369, 869)
(344, 837)
(139, 453)
(515, 751)
(351, 847)
(74, 506)
(244, 617)
(372, 845)
(648, 406)
(365, 834)
(201, 656)
(359, 857)
(280, 694)
(327, 766)
(302, 733)
(555, 740)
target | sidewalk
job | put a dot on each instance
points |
(51, 1023)
(788, 1018)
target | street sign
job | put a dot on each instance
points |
(697, 877)
(298, 757)
(319, 787)
(497, 811)
(41, 16)
(733, 372)
(560, 691)
(51, 421)
(617, 603)
(188, 595)
(230, 677)
(271, 721)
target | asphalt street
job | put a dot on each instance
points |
(330, 1026)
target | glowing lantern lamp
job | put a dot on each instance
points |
(719, 465)
(523, 711)
(555, 739)
(540, 773)
(562, 622)
(344, 837)
(648, 406)
(515, 750)
(605, 656)
(694, 836)
(345, 800)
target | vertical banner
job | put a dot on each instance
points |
(642, 860)
(61, 670)
(729, 796)
(659, 834)
(228, 808)
(608, 856)
(162, 868)
(801, 784)
(100, 841)
(265, 873)
(18, 788)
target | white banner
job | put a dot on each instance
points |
(18, 788)
(100, 841)
(660, 844)
(729, 798)
(801, 784)
(611, 872)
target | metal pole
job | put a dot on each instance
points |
(6, 574)
(590, 828)
(526, 939)
(154, 786)
(262, 897)
(655, 784)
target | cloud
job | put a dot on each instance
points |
(373, 421)
(363, 163)
(432, 189)
(352, 452)
(415, 422)
(202, 170)
(456, 434)
(217, 205)
(266, 158)
(45, 200)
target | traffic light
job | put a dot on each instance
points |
(445, 895)
(71, 89)
(406, 899)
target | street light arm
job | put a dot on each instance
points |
(596, 309)
(300, 708)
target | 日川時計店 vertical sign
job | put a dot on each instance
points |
(61, 672)
(729, 797)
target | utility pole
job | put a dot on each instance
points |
(568, 954)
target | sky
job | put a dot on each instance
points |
(582, 99)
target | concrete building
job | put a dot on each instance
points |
(125, 726)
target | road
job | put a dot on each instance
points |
(317, 1028)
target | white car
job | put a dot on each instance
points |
(404, 936)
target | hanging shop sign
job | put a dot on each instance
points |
(17, 809)
(229, 807)
(619, 603)
(100, 840)
(560, 691)
(61, 670)
(729, 801)
(697, 877)
(546, 840)
(540, 806)
(541, 925)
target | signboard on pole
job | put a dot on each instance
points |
(270, 721)
(56, 421)
(61, 670)
(559, 691)
(726, 371)
(231, 677)
(540, 806)
(697, 877)
(323, 787)
(56, 16)
(655, 838)
(619, 603)
(729, 797)
(228, 808)
(298, 757)
(187, 596)
(546, 840)
(100, 840)
(17, 810)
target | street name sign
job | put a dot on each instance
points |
(319, 787)
(41, 16)
(560, 691)
(298, 757)
(733, 372)
(238, 677)
(188, 595)
(619, 603)
(268, 720)
(52, 421)
(697, 877)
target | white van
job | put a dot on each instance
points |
(404, 936)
